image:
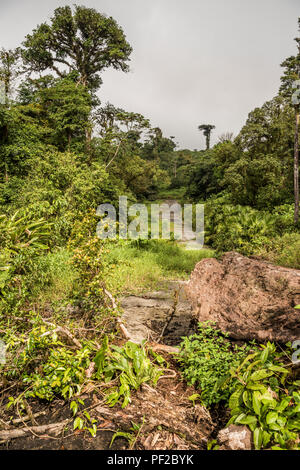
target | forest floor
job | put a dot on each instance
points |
(164, 416)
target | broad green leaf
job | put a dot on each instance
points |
(266, 437)
(257, 438)
(278, 369)
(264, 355)
(271, 417)
(234, 400)
(283, 404)
(256, 401)
(261, 374)
(250, 419)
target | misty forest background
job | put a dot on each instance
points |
(63, 152)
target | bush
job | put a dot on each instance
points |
(242, 228)
(22, 242)
(205, 360)
(283, 250)
(267, 399)
(130, 365)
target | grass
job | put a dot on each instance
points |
(145, 264)
(132, 267)
(53, 277)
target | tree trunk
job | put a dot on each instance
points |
(296, 167)
(207, 142)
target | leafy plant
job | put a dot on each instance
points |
(205, 360)
(265, 400)
(62, 375)
(45, 366)
(85, 421)
(230, 227)
(130, 365)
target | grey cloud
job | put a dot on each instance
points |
(194, 61)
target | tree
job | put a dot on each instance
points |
(289, 81)
(206, 128)
(67, 108)
(226, 137)
(82, 40)
(9, 70)
(259, 173)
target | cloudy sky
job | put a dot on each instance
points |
(193, 61)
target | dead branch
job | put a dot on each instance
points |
(122, 327)
(53, 428)
(64, 332)
(26, 418)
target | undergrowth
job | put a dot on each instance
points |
(258, 384)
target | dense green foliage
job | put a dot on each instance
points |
(256, 383)
(267, 399)
(62, 154)
(206, 359)
(130, 364)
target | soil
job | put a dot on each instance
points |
(171, 422)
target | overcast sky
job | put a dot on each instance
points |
(193, 61)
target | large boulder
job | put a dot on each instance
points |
(247, 297)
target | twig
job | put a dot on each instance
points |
(172, 376)
(26, 418)
(122, 327)
(64, 332)
(16, 433)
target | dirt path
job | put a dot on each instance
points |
(188, 240)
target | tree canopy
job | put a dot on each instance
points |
(82, 40)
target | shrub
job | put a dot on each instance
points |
(205, 360)
(267, 399)
(241, 228)
(130, 365)
(283, 250)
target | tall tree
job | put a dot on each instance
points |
(206, 128)
(81, 40)
(289, 82)
(9, 70)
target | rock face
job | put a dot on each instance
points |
(235, 438)
(145, 315)
(248, 298)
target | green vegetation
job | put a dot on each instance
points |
(143, 264)
(256, 383)
(206, 359)
(130, 365)
(62, 154)
(267, 399)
